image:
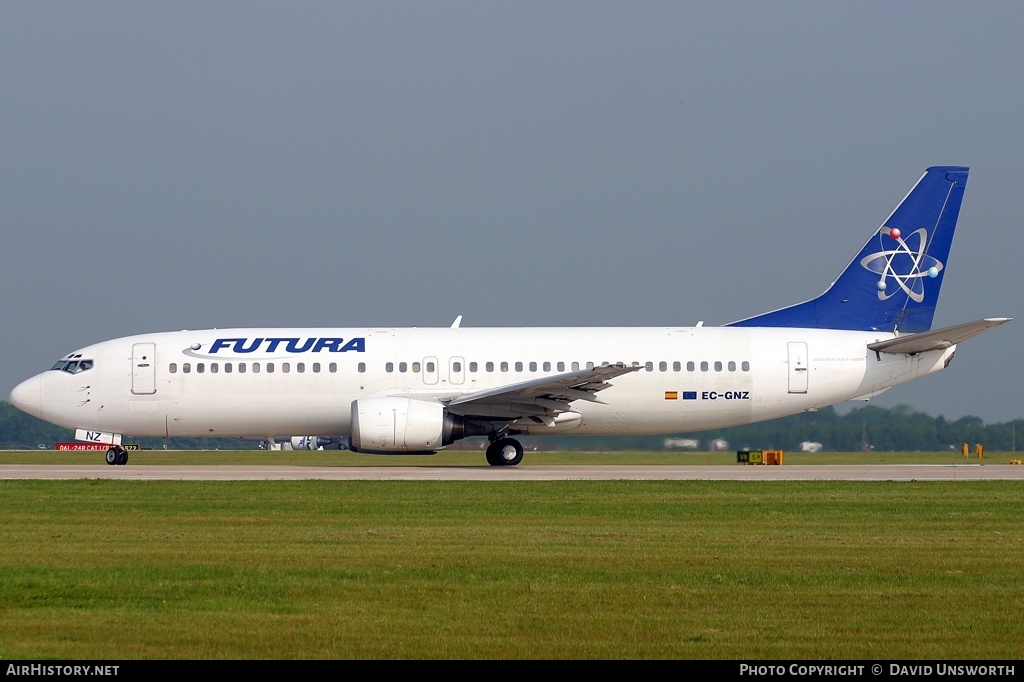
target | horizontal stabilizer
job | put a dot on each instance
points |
(937, 339)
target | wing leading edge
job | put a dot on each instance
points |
(541, 398)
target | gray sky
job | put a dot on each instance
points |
(182, 165)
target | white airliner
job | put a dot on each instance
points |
(406, 391)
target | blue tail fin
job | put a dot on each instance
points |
(893, 283)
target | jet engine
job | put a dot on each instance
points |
(406, 426)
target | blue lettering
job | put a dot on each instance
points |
(223, 343)
(240, 346)
(293, 345)
(272, 344)
(357, 344)
(329, 344)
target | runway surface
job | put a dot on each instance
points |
(909, 472)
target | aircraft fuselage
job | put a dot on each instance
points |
(283, 382)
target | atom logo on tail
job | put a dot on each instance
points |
(915, 263)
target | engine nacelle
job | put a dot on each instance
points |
(399, 426)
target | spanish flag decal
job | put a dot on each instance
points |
(671, 395)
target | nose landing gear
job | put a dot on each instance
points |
(117, 455)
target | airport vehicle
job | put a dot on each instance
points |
(418, 390)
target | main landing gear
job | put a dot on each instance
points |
(504, 452)
(117, 455)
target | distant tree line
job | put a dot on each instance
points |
(900, 428)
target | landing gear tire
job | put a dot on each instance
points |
(116, 455)
(504, 452)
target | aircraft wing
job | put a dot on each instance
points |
(938, 339)
(543, 397)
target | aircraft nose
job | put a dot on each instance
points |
(28, 395)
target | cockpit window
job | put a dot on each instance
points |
(72, 366)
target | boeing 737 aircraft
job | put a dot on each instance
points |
(406, 391)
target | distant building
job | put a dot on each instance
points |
(719, 445)
(810, 446)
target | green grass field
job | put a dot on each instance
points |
(520, 570)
